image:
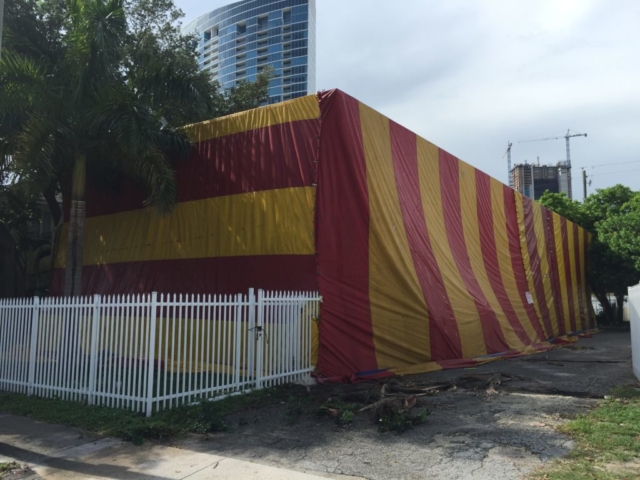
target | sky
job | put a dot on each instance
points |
(471, 76)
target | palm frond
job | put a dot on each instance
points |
(156, 176)
(119, 119)
(43, 149)
(23, 83)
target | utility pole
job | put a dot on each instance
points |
(584, 184)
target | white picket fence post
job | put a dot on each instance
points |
(251, 340)
(93, 352)
(151, 350)
(33, 345)
(237, 319)
(259, 329)
(104, 351)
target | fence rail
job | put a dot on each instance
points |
(152, 352)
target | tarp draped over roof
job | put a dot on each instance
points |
(423, 261)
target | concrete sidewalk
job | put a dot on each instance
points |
(57, 452)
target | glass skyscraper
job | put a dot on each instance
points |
(237, 41)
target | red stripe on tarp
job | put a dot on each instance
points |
(443, 328)
(567, 270)
(450, 190)
(536, 264)
(219, 275)
(342, 233)
(491, 263)
(278, 156)
(517, 263)
(554, 270)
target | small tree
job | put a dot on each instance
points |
(622, 231)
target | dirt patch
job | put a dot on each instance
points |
(14, 471)
(495, 421)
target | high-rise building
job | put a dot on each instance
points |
(533, 180)
(238, 40)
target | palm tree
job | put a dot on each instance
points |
(91, 110)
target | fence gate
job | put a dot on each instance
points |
(150, 352)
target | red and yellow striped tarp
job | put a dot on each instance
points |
(423, 261)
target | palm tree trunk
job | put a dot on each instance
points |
(620, 308)
(603, 298)
(75, 239)
(50, 197)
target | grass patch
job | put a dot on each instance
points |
(203, 417)
(343, 412)
(7, 467)
(296, 405)
(400, 421)
(608, 440)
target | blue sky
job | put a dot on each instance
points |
(469, 76)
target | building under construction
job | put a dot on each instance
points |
(533, 180)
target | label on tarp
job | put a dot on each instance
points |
(529, 297)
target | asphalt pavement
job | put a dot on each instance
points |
(470, 433)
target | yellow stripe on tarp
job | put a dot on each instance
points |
(270, 222)
(471, 231)
(462, 304)
(509, 333)
(562, 277)
(541, 243)
(526, 258)
(399, 316)
(303, 108)
(504, 258)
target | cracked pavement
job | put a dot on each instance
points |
(469, 434)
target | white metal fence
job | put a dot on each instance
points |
(150, 352)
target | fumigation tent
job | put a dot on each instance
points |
(423, 261)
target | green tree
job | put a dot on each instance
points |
(609, 214)
(563, 205)
(98, 89)
(605, 203)
(621, 231)
(83, 110)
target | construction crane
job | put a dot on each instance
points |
(566, 137)
(508, 154)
